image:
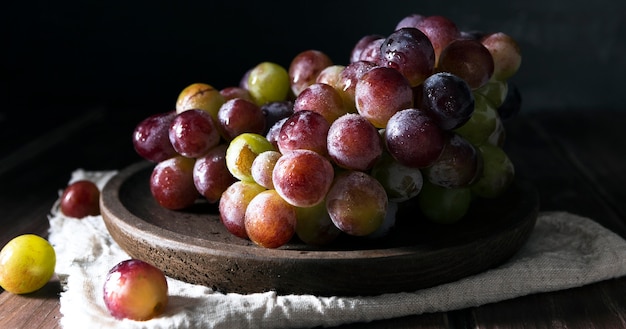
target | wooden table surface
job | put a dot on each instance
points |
(575, 158)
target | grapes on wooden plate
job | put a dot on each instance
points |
(316, 149)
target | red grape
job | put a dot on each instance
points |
(380, 93)
(235, 92)
(136, 290)
(171, 183)
(263, 167)
(414, 139)
(440, 30)
(357, 203)
(193, 133)
(348, 79)
(270, 222)
(302, 177)
(409, 51)
(304, 130)
(233, 205)
(305, 67)
(211, 175)
(469, 60)
(238, 116)
(362, 44)
(459, 165)
(354, 143)
(151, 137)
(321, 98)
(505, 52)
(80, 199)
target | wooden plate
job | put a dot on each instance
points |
(193, 245)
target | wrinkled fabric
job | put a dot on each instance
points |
(564, 251)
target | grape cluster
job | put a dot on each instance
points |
(318, 149)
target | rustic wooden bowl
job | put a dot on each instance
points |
(193, 246)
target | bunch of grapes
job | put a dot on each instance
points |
(318, 149)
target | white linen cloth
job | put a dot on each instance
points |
(565, 250)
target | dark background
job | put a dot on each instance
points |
(63, 57)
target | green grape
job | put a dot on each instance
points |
(495, 91)
(482, 123)
(444, 205)
(314, 226)
(268, 82)
(26, 264)
(241, 153)
(498, 172)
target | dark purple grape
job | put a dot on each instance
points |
(409, 51)
(276, 111)
(449, 99)
(414, 138)
(459, 165)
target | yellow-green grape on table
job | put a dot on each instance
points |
(200, 96)
(27, 263)
(268, 82)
